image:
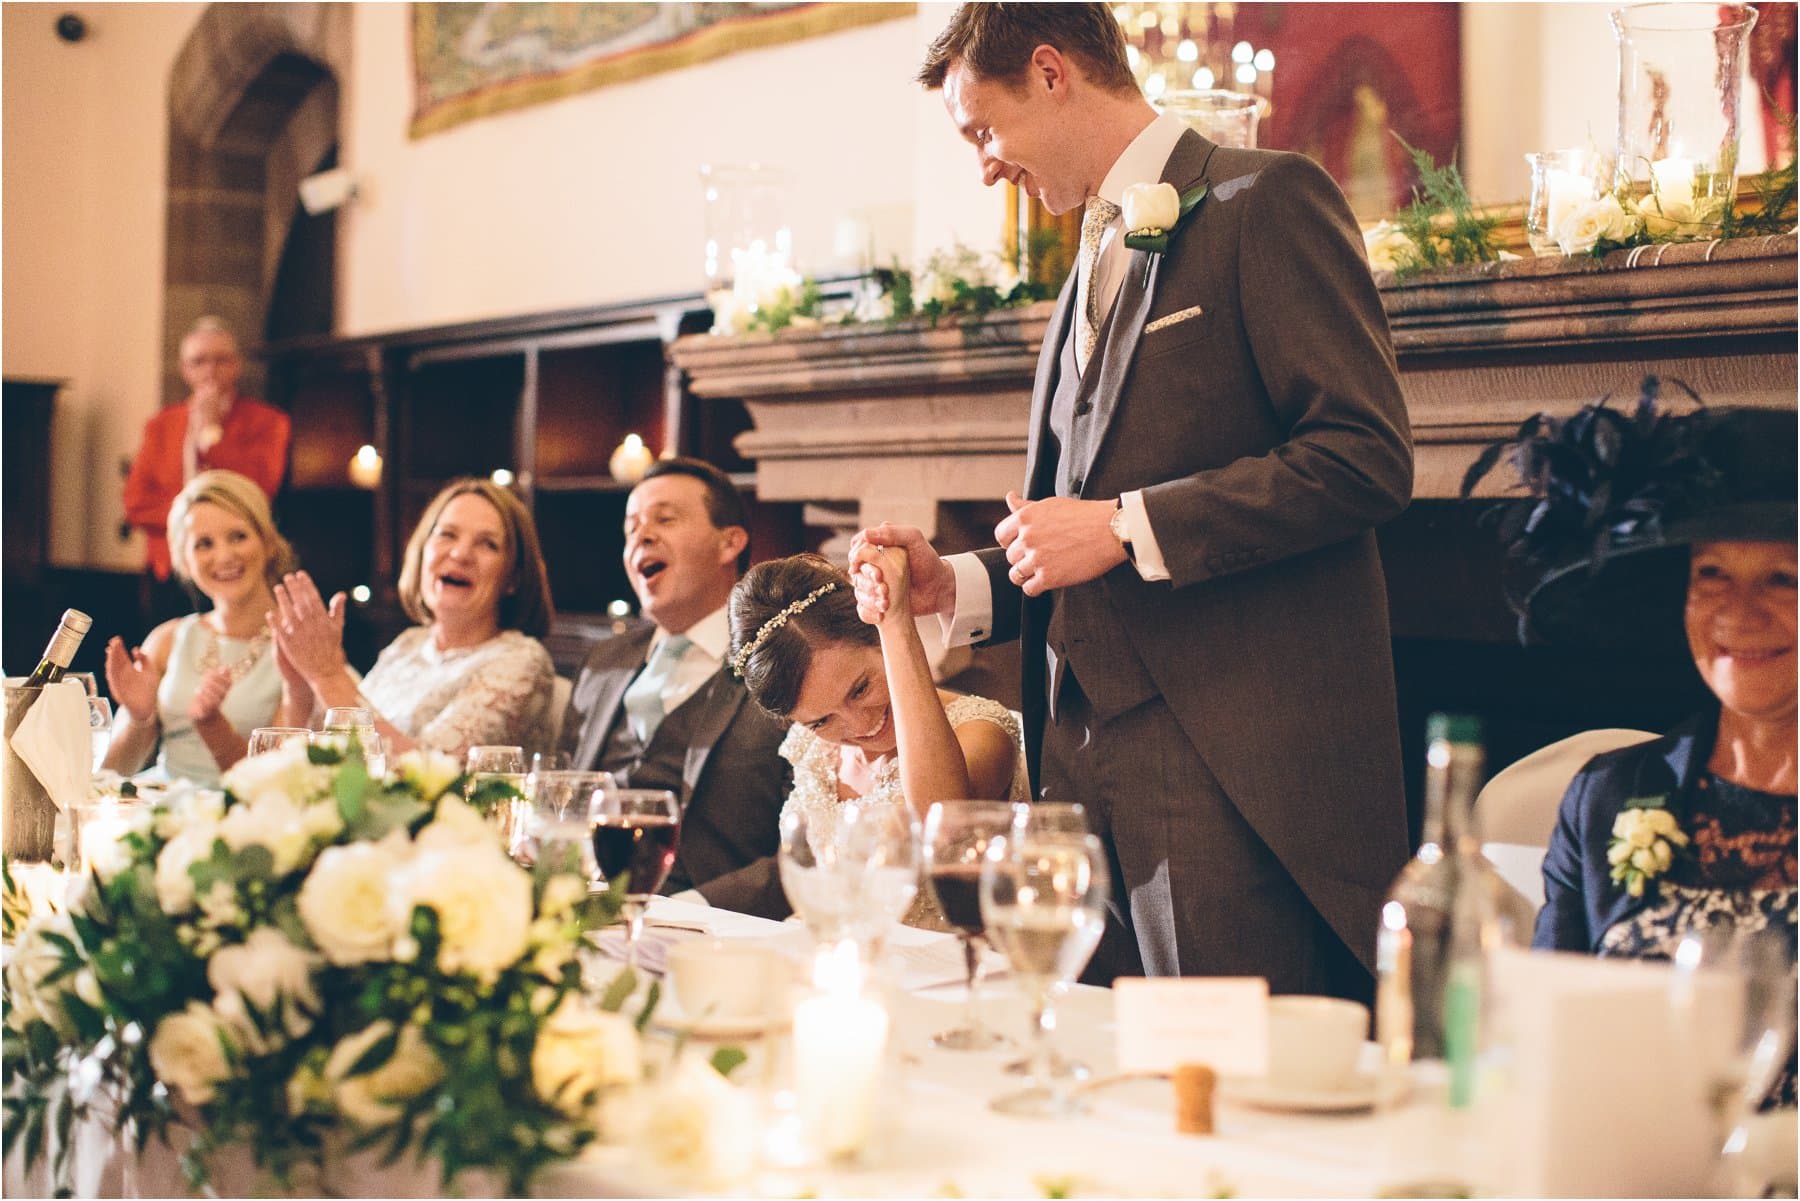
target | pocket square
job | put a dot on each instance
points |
(1176, 318)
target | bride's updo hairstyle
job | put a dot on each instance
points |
(780, 612)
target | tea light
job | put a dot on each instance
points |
(1569, 190)
(840, 1036)
(99, 826)
(631, 460)
(365, 468)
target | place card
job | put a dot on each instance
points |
(1222, 1022)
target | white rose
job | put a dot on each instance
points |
(376, 1098)
(33, 959)
(345, 902)
(699, 1127)
(729, 312)
(1151, 206)
(275, 822)
(1586, 224)
(257, 973)
(219, 906)
(285, 773)
(174, 886)
(483, 904)
(457, 824)
(429, 771)
(187, 1055)
(107, 857)
(562, 893)
(581, 1050)
(179, 810)
(1383, 243)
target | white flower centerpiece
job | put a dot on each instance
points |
(316, 959)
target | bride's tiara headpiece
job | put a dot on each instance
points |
(775, 623)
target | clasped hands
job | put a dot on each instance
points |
(1051, 543)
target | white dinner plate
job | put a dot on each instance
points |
(1362, 1092)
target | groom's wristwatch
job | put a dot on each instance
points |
(1117, 526)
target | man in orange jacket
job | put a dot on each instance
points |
(214, 428)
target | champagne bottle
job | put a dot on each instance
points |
(63, 645)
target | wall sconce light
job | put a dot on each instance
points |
(631, 460)
(365, 468)
(327, 190)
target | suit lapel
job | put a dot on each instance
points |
(1044, 383)
(606, 704)
(720, 704)
(1124, 327)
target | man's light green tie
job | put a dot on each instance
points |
(644, 699)
(1100, 214)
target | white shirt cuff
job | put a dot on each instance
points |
(1145, 553)
(972, 619)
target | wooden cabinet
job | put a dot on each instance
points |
(546, 398)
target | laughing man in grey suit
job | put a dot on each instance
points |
(657, 709)
(1216, 431)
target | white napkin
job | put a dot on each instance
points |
(55, 742)
(1609, 1080)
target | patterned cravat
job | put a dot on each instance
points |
(1100, 214)
(644, 706)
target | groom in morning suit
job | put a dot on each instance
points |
(657, 707)
(1216, 431)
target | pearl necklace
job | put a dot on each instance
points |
(237, 670)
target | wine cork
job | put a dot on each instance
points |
(1194, 1098)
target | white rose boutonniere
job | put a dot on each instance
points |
(1645, 839)
(1152, 212)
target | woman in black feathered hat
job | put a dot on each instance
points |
(1638, 521)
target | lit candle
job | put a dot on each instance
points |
(100, 824)
(840, 1036)
(1569, 191)
(631, 460)
(365, 468)
(1673, 180)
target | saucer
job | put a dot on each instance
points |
(1362, 1091)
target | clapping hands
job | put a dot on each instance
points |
(209, 697)
(309, 634)
(132, 679)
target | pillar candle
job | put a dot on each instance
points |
(839, 1041)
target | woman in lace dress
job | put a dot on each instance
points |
(201, 683)
(473, 672)
(869, 726)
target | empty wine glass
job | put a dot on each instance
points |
(1043, 902)
(264, 739)
(955, 843)
(487, 767)
(851, 870)
(554, 803)
(100, 724)
(345, 718)
(635, 832)
(1747, 1062)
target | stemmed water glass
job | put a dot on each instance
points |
(554, 811)
(100, 724)
(1043, 902)
(851, 870)
(347, 724)
(635, 832)
(955, 843)
(487, 765)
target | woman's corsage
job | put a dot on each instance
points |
(1645, 838)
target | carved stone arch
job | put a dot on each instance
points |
(253, 109)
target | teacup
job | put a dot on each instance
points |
(1314, 1042)
(727, 981)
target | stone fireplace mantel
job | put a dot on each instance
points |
(887, 422)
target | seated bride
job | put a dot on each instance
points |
(869, 726)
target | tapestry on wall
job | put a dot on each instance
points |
(473, 60)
